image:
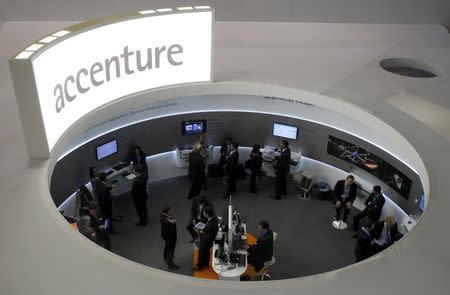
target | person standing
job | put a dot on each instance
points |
(345, 195)
(105, 200)
(232, 169)
(84, 201)
(384, 233)
(225, 150)
(374, 206)
(140, 158)
(207, 237)
(196, 172)
(282, 167)
(255, 166)
(169, 235)
(93, 177)
(363, 248)
(199, 204)
(139, 194)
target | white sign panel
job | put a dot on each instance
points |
(285, 131)
(88, 70)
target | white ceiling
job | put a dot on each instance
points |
(346, 11)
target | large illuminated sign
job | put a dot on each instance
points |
(97, 66)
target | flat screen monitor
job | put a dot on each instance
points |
(193, 127)
(106, 149)
(422, 202)
(285, 131)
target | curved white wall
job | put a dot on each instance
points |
(36, 259)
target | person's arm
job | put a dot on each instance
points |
(337, 192)
(352, 193)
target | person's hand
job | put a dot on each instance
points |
(201, 232)
(193, 222)
(349, 205)
(338, 204)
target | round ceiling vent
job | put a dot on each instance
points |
(408, 67)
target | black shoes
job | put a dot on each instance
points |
(140, 224)
(275, 197)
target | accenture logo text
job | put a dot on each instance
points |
(127, 63)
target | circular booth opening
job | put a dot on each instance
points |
(304, 240)
(408, 67)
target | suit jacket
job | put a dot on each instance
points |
(196, 207)
(339, 190)
(374, 207)
(263, 250)
(196, 167)
(378, 228)
(363, 248)
(255, 162)
(284, 162)
(104, 194)
(209, 233)
(139, 188)
(142, 162)
(232, 164)
(168, 229)
(94, 184)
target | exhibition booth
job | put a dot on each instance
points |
(118, 90)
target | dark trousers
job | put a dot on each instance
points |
(231, 184)
(377, 248)
(140, 203)
(338, 212)
(103, 239)
(203, 256)
(169, 250)
(373, 216)
(190, 229)
(253, 181)
(106, 212)
(196, 188)
(255, 262)
(280, 184)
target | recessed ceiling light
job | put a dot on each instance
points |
(202, 7)
(24, 55)
(61, 33)
(34, 47)
(185, 8)
(147, 11)
(164, 9)
(48, 39)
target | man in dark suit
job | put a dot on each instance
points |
(104, 200)
(282, 167)
(262, 251)
(207, 237)
(345, 195)
(199, 205)
(139, 194)
(196, 171)
(384, 234)
(225, 150)
(232, 169)
(93, 177)
(374, 206)
(363, 247)
(169, 235)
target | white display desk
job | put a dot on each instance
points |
(229, 271)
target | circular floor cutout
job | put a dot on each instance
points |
(408, 67)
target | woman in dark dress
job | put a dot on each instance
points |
(255, 164)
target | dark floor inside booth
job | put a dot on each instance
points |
(307, 243)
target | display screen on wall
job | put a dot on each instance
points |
(90, 69)
(371, 163)
(106, 149)
(193, 127)
(285, 131)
